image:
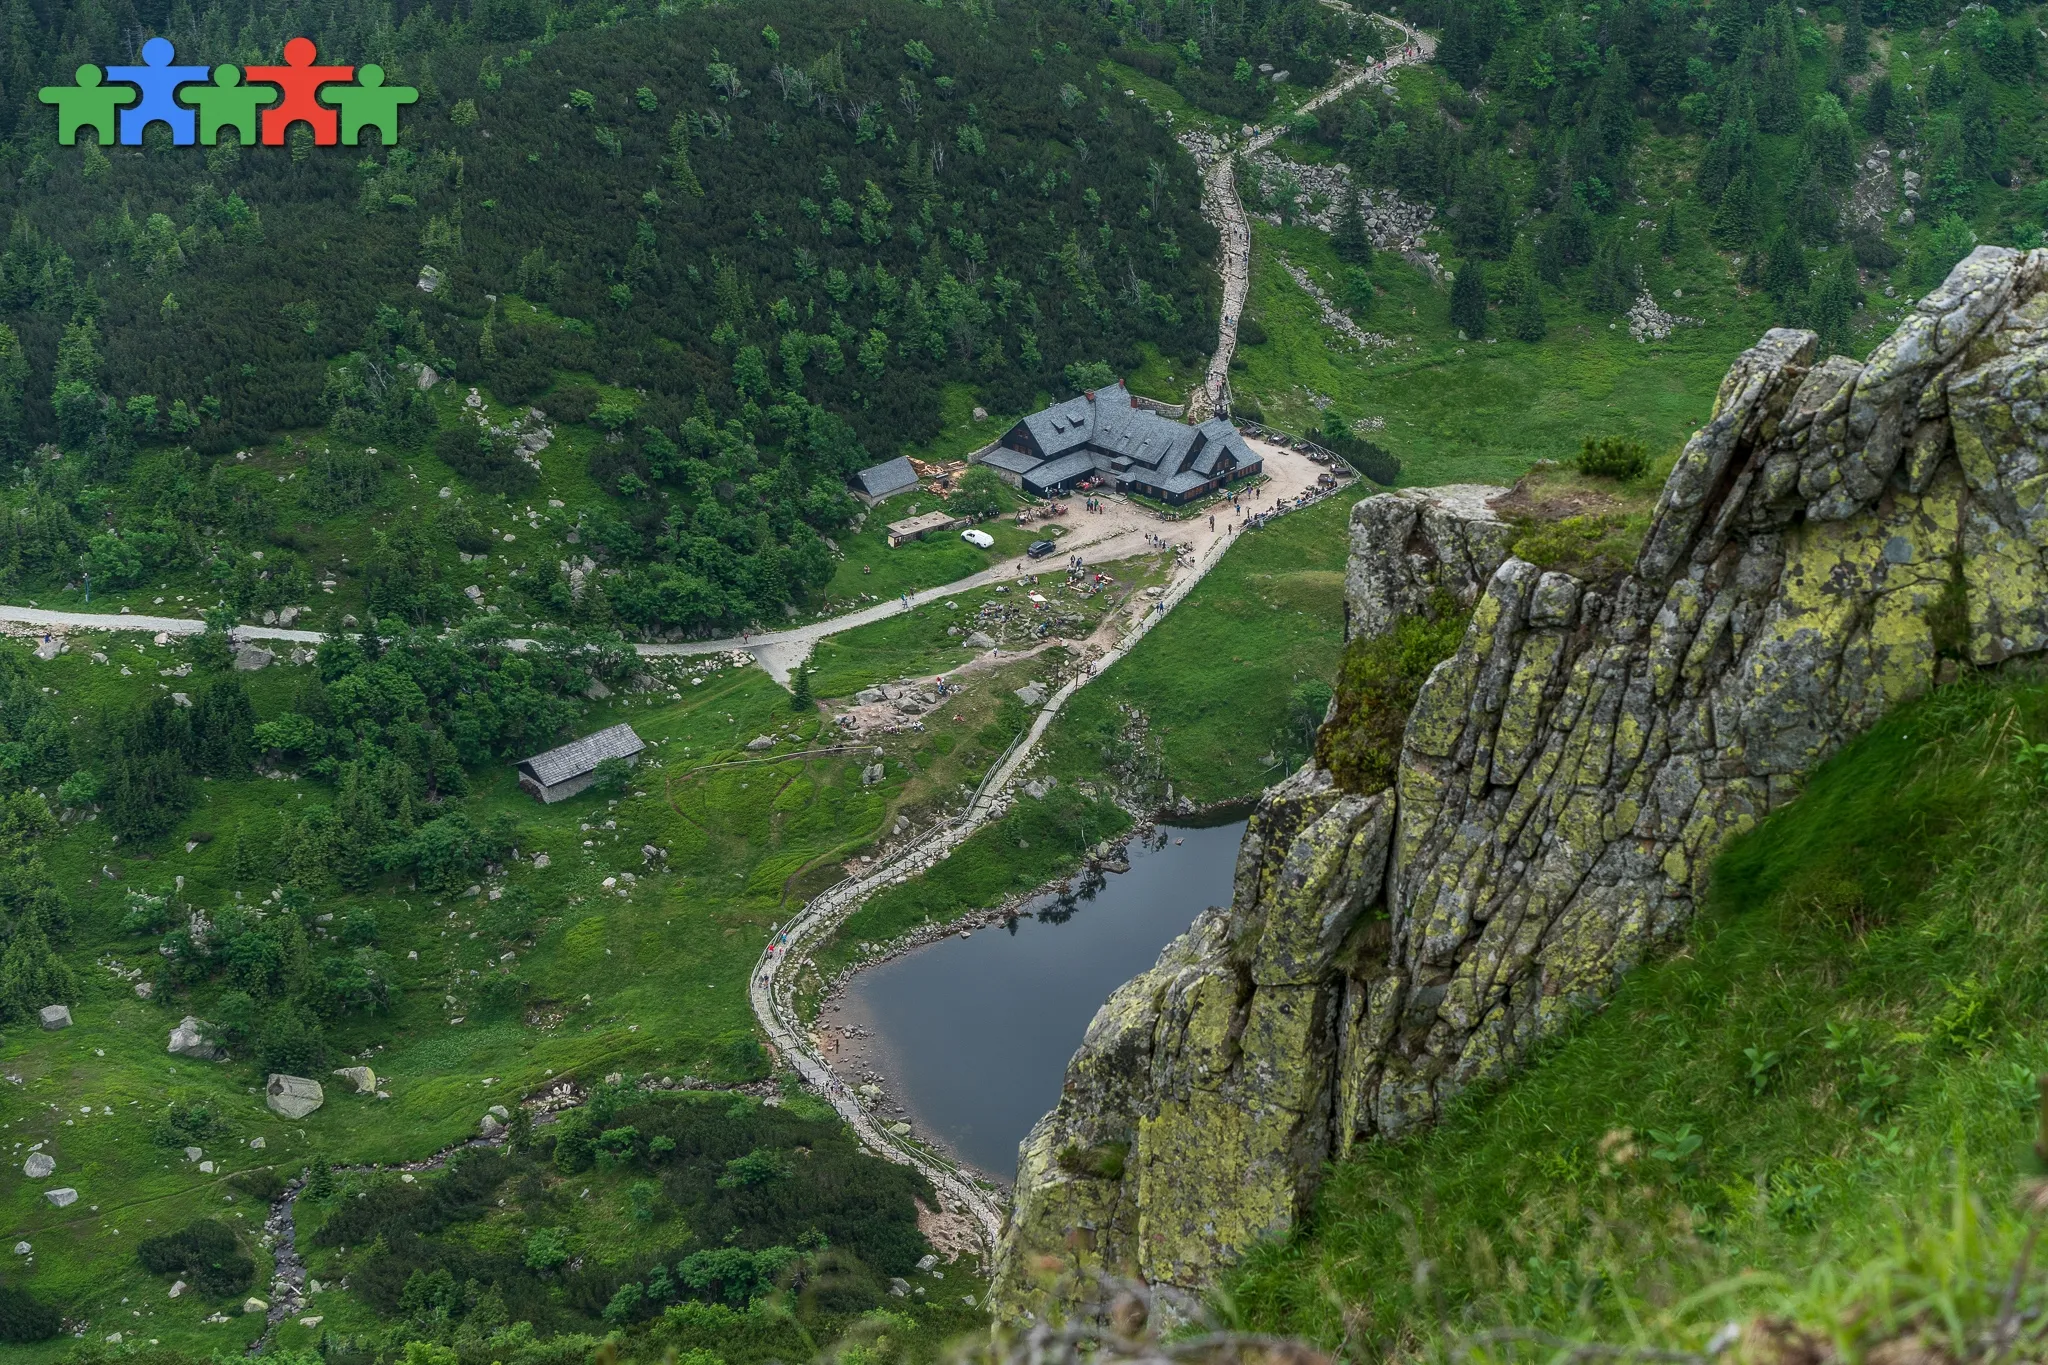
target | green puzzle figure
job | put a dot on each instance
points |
(87, 104)
(227, 103)
(371, 104)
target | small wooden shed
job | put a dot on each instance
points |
(560, 773)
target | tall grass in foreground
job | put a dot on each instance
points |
(1818, 1109)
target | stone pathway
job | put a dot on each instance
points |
(1221, 205)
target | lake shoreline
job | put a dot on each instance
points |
(989, 1032)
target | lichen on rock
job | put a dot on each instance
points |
(1565, 778)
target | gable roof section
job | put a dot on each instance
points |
(1016, 461)
(1070, 466)
(582, 755)
(890, 476)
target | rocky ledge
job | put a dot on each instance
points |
(1836, 540)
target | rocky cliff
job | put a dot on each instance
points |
(1838, 538)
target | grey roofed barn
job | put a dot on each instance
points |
(878, 481)
(563, 772)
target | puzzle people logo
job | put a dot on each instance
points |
(216, 98)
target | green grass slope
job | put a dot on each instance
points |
(1815, 1106)
(488, 999)
(1220, 679)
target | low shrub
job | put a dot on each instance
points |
(205, 1254)
(1613, 457)
(24, 1318)
(1594, 547)
(1377, 683)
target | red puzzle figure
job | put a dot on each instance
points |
(299, 79)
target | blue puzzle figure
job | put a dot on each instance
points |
(157, 79)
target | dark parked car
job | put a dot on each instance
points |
(1040, 549)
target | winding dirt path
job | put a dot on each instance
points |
(1222, 206)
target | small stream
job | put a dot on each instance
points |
(971, 1035)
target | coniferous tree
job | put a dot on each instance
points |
(1739, 218)
(800, 690)
(1357, 293)
(31, 975)
(1669, 238)
(307, 863)
(1521, 294)
(1350, 240)
(1784, 275)
(1877, 105)
(1614, 280)
(1527, 321)
(1815, 209)
(1978, 124)
(1855, 38)
(1830, 309)
(1468, 300)
(13, 393)
(680, 173)
(245, 860)
(1829, 142)
(1777, 57)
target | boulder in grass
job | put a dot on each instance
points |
(361, 1077)
(56, 1016)
(252, 1304)
(292, 1097)
(39, 1166)
(63, 1196)
(189, 1039)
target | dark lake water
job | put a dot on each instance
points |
(973, 1035)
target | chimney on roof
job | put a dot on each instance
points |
(1091, 395)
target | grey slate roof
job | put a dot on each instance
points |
(1016, 461)
(891, 476)
(1176, 483)
(1074, 466)
(582, 755)
(1104, 431)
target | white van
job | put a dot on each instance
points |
(979, 539)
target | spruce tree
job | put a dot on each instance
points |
(1357, 293)
(1815, 207)
(1855, 38)
(1350, 239)
(1877, 105)
(245, 860)
(680, 173)
(1468, 300)
(1522, 295)
(800, 690)
(1831, 304)
(32, 976)
(13, 392)
(1740, 217)
(1612, 283)
(1784, 274)
(1669, 239)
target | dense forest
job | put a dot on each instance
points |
(1574, 145)
(748, 246)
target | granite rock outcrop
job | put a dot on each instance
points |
(1836, 540)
